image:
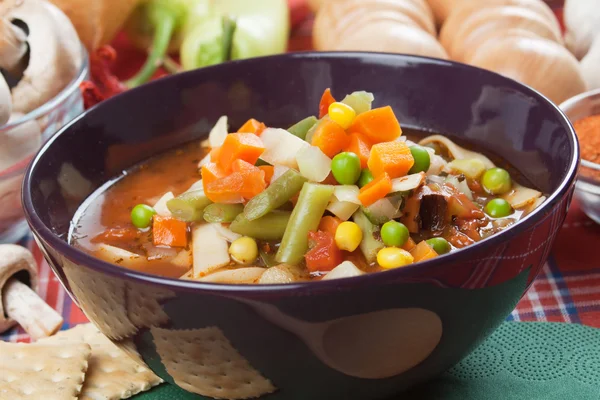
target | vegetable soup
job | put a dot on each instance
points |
(336, 195)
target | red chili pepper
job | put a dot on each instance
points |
(103, 84)
(326, 101)
(325, 255)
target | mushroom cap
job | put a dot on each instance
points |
(5, 101)
(55, 54)
(14, 259)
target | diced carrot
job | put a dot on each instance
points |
(225, 190)
(325, 255)
(329, 224)
(243, 166)
(394, 158)
(377, 189)
(379, 125)
(360, 146)
(268, 170)
(245, 182)
(253, 126)
(168, 231)
(254, 183)
(214, 153)
(211, 172)
(241, 145)
(117, 235)
(409, 245)
(423, 251)
(325, 102)
(330, 137)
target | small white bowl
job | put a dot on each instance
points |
(587, 189)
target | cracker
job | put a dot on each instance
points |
(112, 374)
(46, 371)
(143, 307)
(102, 299)
(203, 361)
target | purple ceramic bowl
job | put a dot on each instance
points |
(364, 337)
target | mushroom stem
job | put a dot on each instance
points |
(13, 47)
(23, 305)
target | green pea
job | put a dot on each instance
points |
(498, 208)
(346, 168)
(496, 181)
(141, 216)
(365, 177)
(422, 159)
(394, 233)
(439, 244)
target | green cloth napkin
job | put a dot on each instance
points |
(521, 360)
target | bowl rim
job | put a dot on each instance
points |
(570, 102)
(80, 257)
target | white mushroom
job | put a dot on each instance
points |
(20, 303)
(53, 57)
(5, 101)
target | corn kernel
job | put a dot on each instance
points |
(348, 236)
(393, 257)
(244, 250)
(342, 114)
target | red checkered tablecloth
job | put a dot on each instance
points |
(567, 290)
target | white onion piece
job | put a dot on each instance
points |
(455, 150)
(520, 196)
(313, 164)
(342, 209)
(218, 133)
(281, 147)
(161, 205)
(183, 259)
(535, 204)
(283, 273)
(385, 208)
(209, 249)
(347, 193)
(278, 170)
(347, 269)
(436, 164)
(204, 161)
(472, 168)
(159, 252)
(409, 182)
(118, 256)
(196, 186)
(276, 275)
(235, 276)
(460, 186)
(226, 233)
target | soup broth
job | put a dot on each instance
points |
(315, 201)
